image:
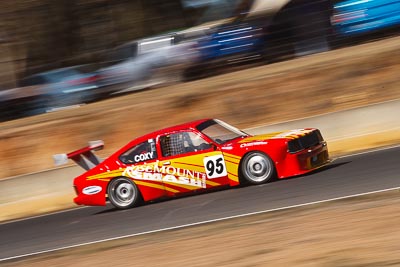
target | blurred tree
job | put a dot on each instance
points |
(39, 35)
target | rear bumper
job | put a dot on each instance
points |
(88, 197)
(82, 199)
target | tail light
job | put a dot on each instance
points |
(85, 80)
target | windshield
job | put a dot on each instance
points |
(219, 131)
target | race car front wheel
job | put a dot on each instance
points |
(257, 168)
(123, 193)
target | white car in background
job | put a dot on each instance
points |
(144, 63)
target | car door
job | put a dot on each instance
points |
(190, 163)
(141, 164)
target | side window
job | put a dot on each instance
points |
(139, 153)
(181, 143)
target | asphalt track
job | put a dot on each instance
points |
(346, 176)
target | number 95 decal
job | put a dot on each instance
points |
(215, 166)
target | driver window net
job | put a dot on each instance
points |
(172, 145)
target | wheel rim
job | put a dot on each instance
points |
(258, 168)
(122, 193)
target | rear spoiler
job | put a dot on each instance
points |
(84, 157)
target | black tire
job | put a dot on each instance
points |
(257, 168)
(123, 193)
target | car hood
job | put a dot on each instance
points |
(291, 134)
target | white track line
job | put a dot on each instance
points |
(323, 114)
(363, 134)
(43, 215)
(200, 223)
(369, 151)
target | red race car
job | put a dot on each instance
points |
(190, 158)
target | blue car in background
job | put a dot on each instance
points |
(230, 40)
(275, 32)
(299, 28)
(356, 17)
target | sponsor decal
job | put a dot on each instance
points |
(168, 174)
(144, 156)
(91, 190)
(259, 143)
(215, 166)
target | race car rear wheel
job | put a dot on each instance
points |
(123, 193)
(257, 168)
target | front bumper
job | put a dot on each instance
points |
(314, 157)
(304, 161)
